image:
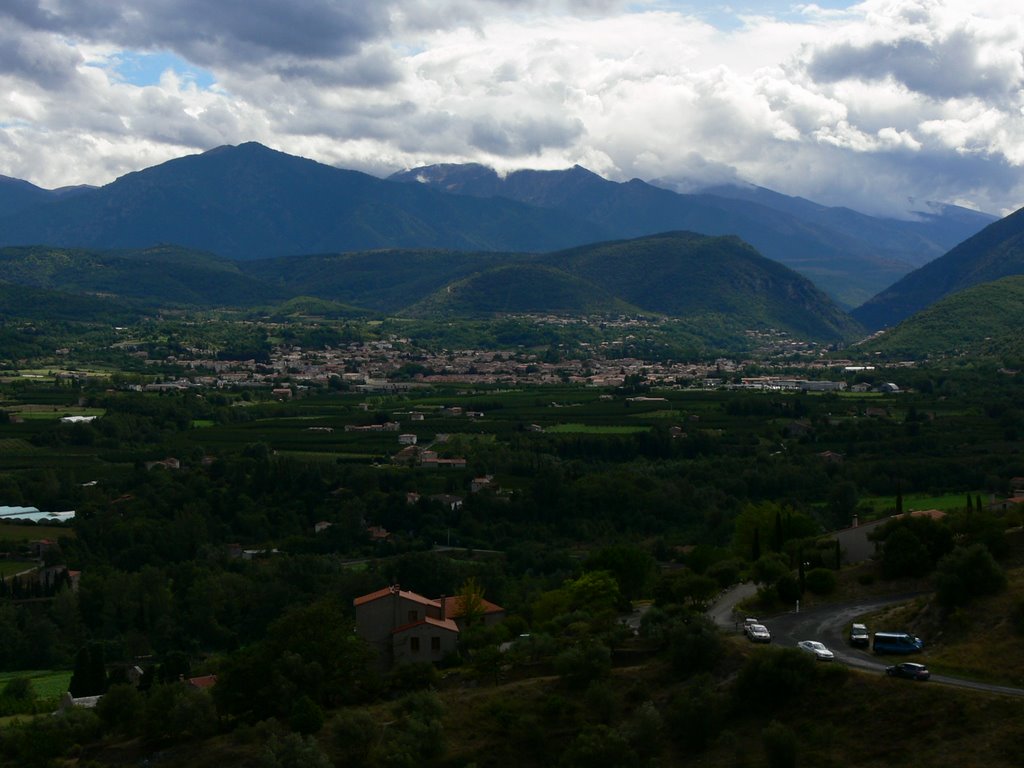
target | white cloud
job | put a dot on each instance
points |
(864, 106)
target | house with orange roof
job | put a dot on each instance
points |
(404, 626)
(455, 609)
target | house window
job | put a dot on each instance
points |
(413, 616)
(435, 643)
(414, 644)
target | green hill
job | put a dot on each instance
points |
(163, 275)
(520, 288)
(683, 274)
(983, 321)
(28, 303)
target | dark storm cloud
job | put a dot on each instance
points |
(212, 33)
(949, 68)
(523, 136)
(372, 69)
(37, 58)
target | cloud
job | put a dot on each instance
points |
(864, 106)
(959, 64)
(39, 60)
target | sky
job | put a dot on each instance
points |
(879, 105)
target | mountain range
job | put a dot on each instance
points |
(849, 255)
(251, 202)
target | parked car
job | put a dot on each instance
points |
(896, 642)
(821, 653)
(859, 636)
(910, 670)
(758, 633)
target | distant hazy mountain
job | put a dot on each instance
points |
(848, 254)
(249, 202)
(934, 229)
(981, 321)
(995, 252)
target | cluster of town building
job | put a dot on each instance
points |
(396, 365)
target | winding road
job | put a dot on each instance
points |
(827, 624)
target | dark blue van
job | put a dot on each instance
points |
(896, 642)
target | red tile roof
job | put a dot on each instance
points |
(204, 681)
(401, 592)
(453, 607)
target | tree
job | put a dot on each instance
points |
(89, 677)
(967, 573)
(470, 601)
(911, 546)
(632, 567)
(596, 592)
(694, 646)
(684, 587)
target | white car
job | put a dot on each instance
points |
(758, 633)
(821, 653)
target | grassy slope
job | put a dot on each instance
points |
(981, 321)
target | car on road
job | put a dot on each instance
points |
(859, 636)
(821, 653)
(758, 633)
(910, 670)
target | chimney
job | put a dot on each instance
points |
(443, 608)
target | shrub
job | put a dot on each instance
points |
(352, 734)
(695, 646)
(967, 573)
(414, 677)
(583, 664)
(779, 745)
(695, 715)
(596, 746)
(293, 750)
(775, 676)
(121, 708)
(19, 688)
(820, 581)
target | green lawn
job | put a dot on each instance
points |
(46, 683)
(11, 567)
(947, 503)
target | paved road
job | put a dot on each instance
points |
(827, 624)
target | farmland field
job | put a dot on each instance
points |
(46, 683)
(590, 429)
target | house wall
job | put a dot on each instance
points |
(423, 642)
(854, 545)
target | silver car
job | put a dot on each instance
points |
(821, 653)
